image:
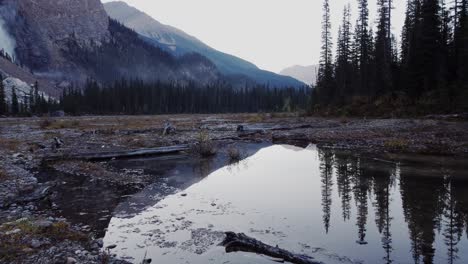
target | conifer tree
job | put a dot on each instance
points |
(325, 75)
(343, 68)
(3, 106)
(15, 108)
(363, 38)
(430, 44)
(383, 49)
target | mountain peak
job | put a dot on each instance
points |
(306, 74)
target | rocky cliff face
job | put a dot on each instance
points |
(74, 39)
(41, 29)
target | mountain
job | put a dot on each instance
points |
(73, 40)
(306, 74)
(179, 43)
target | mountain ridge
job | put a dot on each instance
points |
(179, 42)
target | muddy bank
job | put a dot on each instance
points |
(28, 191)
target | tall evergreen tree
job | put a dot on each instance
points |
(363, 46)
(343, 66)
(15, 107)
(383, 49)
(325, 81)
(3, 106)
(461, 49)
(430, 44)
(36, 97)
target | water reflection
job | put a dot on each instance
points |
(431, 206)
(336, 206)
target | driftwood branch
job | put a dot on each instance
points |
(120, 154)
(240, 242)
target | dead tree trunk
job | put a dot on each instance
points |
(120, 154)
(240, 242)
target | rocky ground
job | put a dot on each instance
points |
(31, 234)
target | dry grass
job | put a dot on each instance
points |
(9, 144)
(51, 124)
(256, 118)
(3, 175)
(13, 246)
(205, 147)
(396, 144)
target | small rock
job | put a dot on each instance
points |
(28, 250)
(183, 195)
(36, 243)
(99, 242)
(43, 224)
(12, 232)
(17, 155)
(71, 260)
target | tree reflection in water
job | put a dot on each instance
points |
(431, 205)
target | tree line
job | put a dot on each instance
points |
(428, 67)
(33, 103)
(138, 97)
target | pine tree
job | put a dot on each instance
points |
(343, 69)
(3, 106)
(36, 98)
(15, 108)
(411, 59)
(461, 49)
(363, 44)
(325, 75)
(383, 49)
(430, 44)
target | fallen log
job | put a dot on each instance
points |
(240, 242)
(119, 154)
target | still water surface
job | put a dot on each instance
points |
(334, 206)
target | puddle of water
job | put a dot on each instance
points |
(334, 206)
(93, 203)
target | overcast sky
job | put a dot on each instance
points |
(273, 34)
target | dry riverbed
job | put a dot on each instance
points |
(31, 231)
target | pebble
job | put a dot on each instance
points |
(43, 224)
(12, 232)
(36, 243)
(71, 260)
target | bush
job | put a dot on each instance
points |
(234, 154)
(205, 146)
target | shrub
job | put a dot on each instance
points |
(234, 154)
(205, 146)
